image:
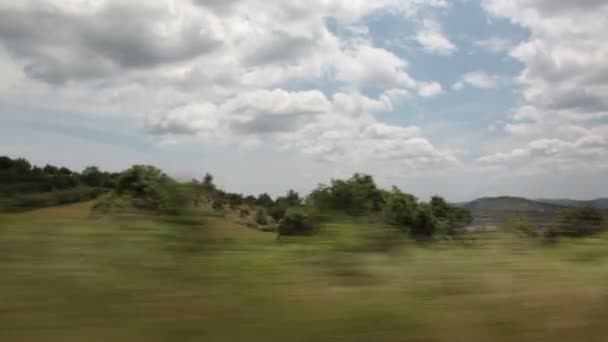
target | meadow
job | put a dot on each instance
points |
(68, 275)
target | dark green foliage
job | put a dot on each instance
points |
(91, 176)
(250, 200)
(218, 203)
(277, 212)
(151, 189)
(264, 200)
(46, 199)
(261, 218)
(440, 208)
(207, 185)
(291, 199)
(423, 220)
(425, 224)
(234, 200)
(578, 222)
(24, 186)
(355, 196)
(401, 209)
(296, 224)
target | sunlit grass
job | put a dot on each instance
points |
(67, 276)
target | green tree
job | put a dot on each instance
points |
(277, 212)
(425, 225)
(92, 176)
(264, 200)
(579, 222)
(401, 209)
(261, 218)
(296, 224)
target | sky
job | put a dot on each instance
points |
(462, 98)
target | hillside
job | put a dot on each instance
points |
(599, 203)
(493, 210)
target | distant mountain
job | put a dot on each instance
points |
(600, 203)
(493, 210)
(506, 203)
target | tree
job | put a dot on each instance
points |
(91, 176)
(579, 222)
(208, 186)
(277, 212)
(357, 195)
(293, 199)
(50, 169)
(296, 224)
(5, 163)
(218, 203)
(261, 218)
(440, 208)
(250, 200)
(425, 223)
(401, 209)
(264, 200)
(151, 189)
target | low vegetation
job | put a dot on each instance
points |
(164, 260)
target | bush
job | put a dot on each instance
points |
(112, 203)
(277, 212)
(296, 224)
(218, 203)
(578, 222)
(261, 218)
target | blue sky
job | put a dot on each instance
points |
(462, 98)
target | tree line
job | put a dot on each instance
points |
(147, 188)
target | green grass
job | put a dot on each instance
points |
(67, 276)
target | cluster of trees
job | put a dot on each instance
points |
(26, 186)
(359, 196)
(575, 223)
(148, 188)
(19, 176)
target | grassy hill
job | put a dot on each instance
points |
(599, 203)
(493, 210)
(67, 276)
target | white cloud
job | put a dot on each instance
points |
(431, 37)
(477, 79)
(430, 89)
(365, 65)
(495, 44)
(247, 73)
(590, 150)
(564, 83)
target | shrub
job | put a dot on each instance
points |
(277, 212)
(578, 222)
(218, 203)
(296, 224)
(261, 218)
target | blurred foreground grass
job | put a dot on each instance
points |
(65, 276)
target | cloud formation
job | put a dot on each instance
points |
(221, 70)
(565, 78)
(477, 79)
(430, 35)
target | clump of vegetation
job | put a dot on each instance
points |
(578, 222)
(144, 187)
(296, 224)
(277, 212)
(359, 196)
(261, 218)
(24, 186)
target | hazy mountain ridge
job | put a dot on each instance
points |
(598, 203)
(492, 210)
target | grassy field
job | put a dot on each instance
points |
(67, 276)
